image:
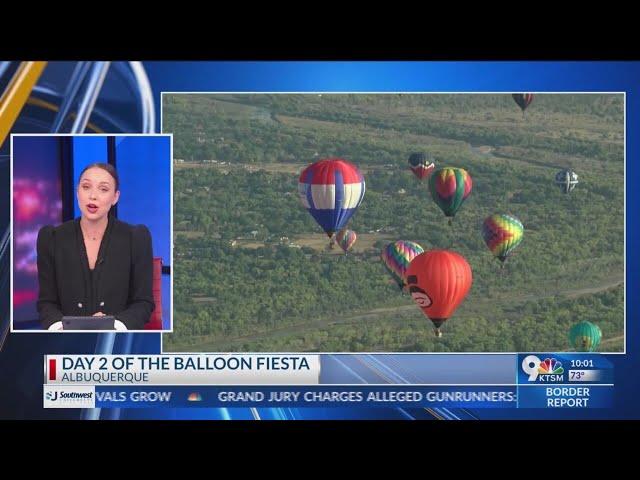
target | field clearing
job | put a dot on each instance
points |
(377, 134)
(204, 299)
(234, 109)
(275, 167)
(289, 168)
(399, 314)
(582, 125)
(364, 242)
(544, 126)
(189, 234)
(554, 128)
(320, 243)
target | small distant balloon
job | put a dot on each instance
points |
(585, 337)
(567, 180)
(523, 100)
(346, 238)
(420, 165)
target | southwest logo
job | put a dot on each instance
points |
(51, 396)
(549, 370)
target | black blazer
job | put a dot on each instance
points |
(119, 285)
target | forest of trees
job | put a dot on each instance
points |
(273, 297)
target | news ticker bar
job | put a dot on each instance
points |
(564, 396)
(195, 369)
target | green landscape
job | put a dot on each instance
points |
(252, 271)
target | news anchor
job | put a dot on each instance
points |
(95, 265)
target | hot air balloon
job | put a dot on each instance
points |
(585, 337)
(438, 281)
(331, 189)
(346, 239)
(566, 180)
(420, 166)
(523, 100)
(397, 256)
(502, 234)
(449, 188)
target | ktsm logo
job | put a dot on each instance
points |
(548, 371)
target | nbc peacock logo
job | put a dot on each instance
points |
(551, 366)
(549, 370)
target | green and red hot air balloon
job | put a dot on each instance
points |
(449, 188)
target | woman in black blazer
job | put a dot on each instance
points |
(96, 265)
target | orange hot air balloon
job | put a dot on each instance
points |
(439, 281)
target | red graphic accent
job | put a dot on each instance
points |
(52, 369)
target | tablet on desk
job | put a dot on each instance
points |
(88, 323)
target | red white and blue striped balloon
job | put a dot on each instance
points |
(331, 190)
